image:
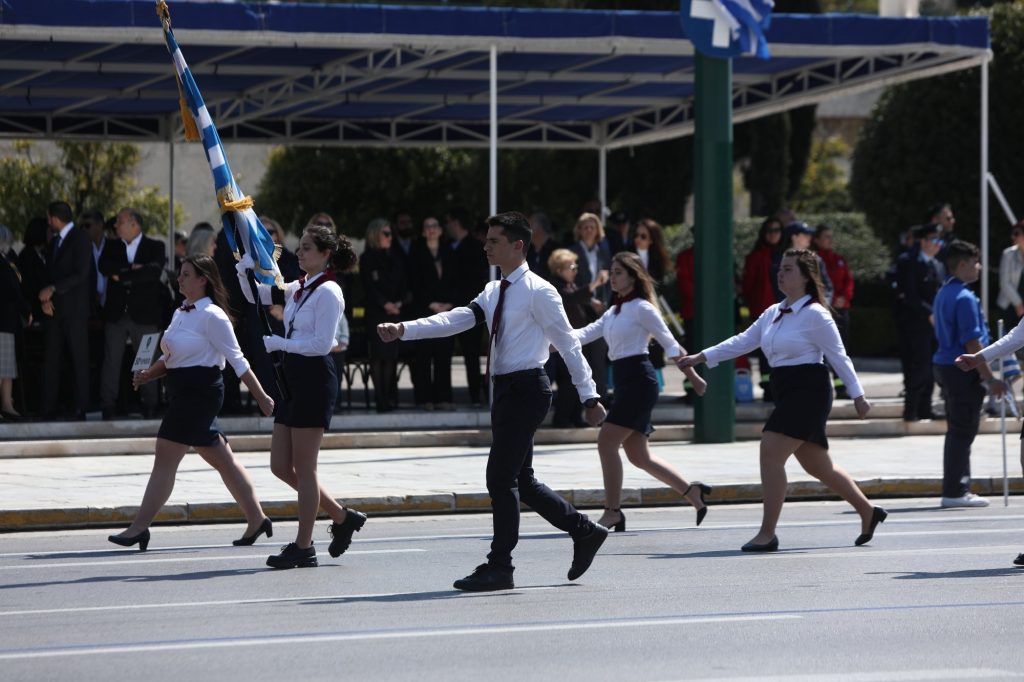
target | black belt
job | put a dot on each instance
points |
(516, 376)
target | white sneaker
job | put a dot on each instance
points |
(968, 500)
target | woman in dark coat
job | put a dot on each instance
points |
(384, 286)
(430, 275)
(14, 312)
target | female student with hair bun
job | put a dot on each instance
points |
(795, 334)
(312, 306)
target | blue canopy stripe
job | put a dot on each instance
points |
(236, 208)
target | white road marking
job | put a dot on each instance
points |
(880, 676)
(180, 559)
(241, 602)
(319, 638)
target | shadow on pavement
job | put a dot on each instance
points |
(970, 573)
(201, 575)
(428, 596)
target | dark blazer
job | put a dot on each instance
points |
(138, 293)
(470, 271)
(383, 280)
(426, 285)
(537, 259)
(917, 282)
(584, 276)
(14, 309)
(69, 273)
(34, 276)
(576, 301)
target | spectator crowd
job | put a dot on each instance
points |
(82, 292)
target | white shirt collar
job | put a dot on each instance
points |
(64, 230)
(133, 242)
(799, 303)
(518, 273)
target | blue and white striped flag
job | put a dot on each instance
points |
(737, 26)
(236, 208)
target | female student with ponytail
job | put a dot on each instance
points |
(794, 335)
(628, 327)
(312, 306)
(194, 347)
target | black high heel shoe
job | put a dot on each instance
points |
(266, 527)
(620, 526)
(878, 515)
(704, 490)
(770, 546)
(142, 539)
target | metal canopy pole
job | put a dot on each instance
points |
(714, 414)
(602, 177)
(984, 186)
(494, 131)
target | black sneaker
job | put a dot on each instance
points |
(486, 578)
(341, 533)
(1019, 561)
(584, 549)
(292, 556)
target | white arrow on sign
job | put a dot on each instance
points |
(708, 9)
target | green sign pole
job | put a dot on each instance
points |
(714, 419)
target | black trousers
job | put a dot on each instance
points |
(521, 401)
(66, 336)
(432, 371)
(964, 395)
(917, 345)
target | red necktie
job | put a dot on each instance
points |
(302, 287)
(187, 307)
(495, 324)
(782, 311)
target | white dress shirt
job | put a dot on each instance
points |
(532, 319)
(101, 279)
(202, 337)
(312, 323)
(797, 338)
(629, 332)
(1006, 345)
(63, 234)
(132, 247)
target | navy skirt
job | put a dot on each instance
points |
(313, 383)
(636, 393)
(195, 396)
(803, 401)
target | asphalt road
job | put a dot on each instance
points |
(933, 597)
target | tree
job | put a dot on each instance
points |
(91, 176)
(921, 144)
(824, 187)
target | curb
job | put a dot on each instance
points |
(468, 437)
(441, 503)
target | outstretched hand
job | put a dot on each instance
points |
(687, 361)
(390, 331)
(969, 361)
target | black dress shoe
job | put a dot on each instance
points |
(1019, 561)
(266, 527)
(770, 546)
(704, 490)
(584, 549)
(878, 515)
(142, 539)
(292, 556)
(341, 533)
(486, 578)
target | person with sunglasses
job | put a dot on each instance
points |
(384, 285)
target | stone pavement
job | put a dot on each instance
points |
(51, 478)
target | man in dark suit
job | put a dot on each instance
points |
(916, 282)
(65, 305)
(133, 264)
(541, 245)
(470, 273)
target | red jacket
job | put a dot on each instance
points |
(839, 272)
(757, 283)
(684, 280)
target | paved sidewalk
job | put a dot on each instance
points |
(104, 490)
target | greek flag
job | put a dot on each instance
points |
(750, 19)
(236, 208)
(737, 26)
